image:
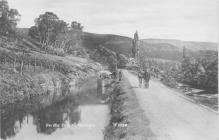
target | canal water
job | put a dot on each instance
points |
(79, 116)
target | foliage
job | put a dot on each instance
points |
(54, 35)
(48, 26)
(8, 18)
(202, 72)
(76, 25)
(105, 56)
(34, 33)
(59, 27)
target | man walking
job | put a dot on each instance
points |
(120, 75)
(140, 77)
(146, 78)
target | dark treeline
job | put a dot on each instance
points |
(200, 72)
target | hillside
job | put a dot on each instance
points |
(192, 45)
(119, 44)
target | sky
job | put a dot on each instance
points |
(191, 20)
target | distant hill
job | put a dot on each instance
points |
(191, 45)
(153, 48)
(172, 49)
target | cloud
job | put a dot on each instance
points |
(181, 19)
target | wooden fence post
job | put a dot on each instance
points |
(53, 69)
(14, 64)
(22, 63)
(35, 64)
(28, 65)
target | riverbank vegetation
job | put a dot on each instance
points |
(127, 119)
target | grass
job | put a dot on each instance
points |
(128, 121)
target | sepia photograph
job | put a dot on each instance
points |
(109, 69)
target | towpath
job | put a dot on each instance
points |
(171, 116)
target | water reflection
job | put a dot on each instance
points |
(77, 116)
(46, 120)
(55, 116)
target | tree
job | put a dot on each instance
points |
(76, 25)
(135, 45)
(59, 26)
(48, 26)
(8, 18)
(45, 24)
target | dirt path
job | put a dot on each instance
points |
(171, 116)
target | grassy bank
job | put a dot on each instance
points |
(128, 121)
(24, 76)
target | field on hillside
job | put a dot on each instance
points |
(191, 45)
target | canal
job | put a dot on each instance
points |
(80, 115)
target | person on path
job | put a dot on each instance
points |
(120, 75)
(140, 77)
(146, 78)
(114, 75)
